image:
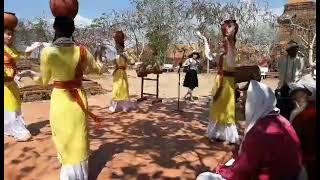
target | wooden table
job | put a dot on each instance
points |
(157, 89)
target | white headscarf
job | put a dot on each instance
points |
(306, 82)
(260, 102)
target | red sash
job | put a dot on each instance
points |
(73, 85)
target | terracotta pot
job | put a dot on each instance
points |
(64, 8)
(141, 71)
(10, 20)
(247, 73)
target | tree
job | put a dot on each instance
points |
(29, 31)
(256, 21)
(160, 19)
(132, 22)
(99, 33)
(306, 33)
(40, 30)
(22, 35)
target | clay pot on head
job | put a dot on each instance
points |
(10, 20)
(67, 8)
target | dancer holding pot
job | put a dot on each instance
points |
(64, 63)
(222, 125)
(14, 124)
(120, 90)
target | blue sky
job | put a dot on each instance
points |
(89, 9)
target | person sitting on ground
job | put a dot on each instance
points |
(303, 120)
(271, 147)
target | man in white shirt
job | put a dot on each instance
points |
(290, 68)
(291, 65)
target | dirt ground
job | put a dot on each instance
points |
(154, 142)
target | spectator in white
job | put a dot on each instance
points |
(191, 78)
(264, 65)
(291, 65)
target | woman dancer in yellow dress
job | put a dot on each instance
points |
(64, 62)
(222, 125)
(13, 120)
(120, 90)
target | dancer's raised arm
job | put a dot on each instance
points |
(207, 50)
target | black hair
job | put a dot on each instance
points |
(6, 12)
(63, 26)
(235, 30)
(198, 55)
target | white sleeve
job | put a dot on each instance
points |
(111, 53)
(33, 47)
(207, 50)
(302, 64)
(186, 62)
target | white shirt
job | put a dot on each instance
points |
(290, 69)
(192, 63)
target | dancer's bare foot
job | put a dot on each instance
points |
(27, 137)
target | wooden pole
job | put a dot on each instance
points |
(142, 79)
(157, 86)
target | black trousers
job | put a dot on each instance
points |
(284, 101)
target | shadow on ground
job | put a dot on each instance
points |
(155, 142)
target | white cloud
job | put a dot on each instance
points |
(79, 21)
(82, 21)
(277, 11)
(247, 1)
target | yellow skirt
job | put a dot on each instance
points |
(12, 101)
(223, 109)
(69, 127)
(120, 89)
